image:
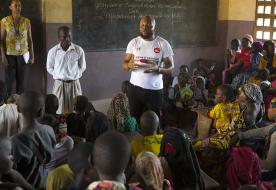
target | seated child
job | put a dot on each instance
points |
(150, 172)
(33, 147)
(64, 143)
(184, 74)
(255, 57)
(200, 93)
(225, 112)
(201, 68)
(9, 117)
(151, 141)
(110, 161)
(50, 117)
(10, 179)
(268, 162)
(232, 66)
(63, 176)
(76, 121)
(97, 124)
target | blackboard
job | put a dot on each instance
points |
(32, 9)
(111, 24)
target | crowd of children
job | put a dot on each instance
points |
(87, 149)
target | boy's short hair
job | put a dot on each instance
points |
(78, 157)
(31, 102)
(51, 103)
(227, 91)
(149, 123)
(111, 153)
(81, 104)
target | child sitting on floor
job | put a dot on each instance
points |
(76, 121)
(9, 179)
(200, 93)
(151, 141)
(110, 161)
(226, 112)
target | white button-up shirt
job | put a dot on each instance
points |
(66, 65)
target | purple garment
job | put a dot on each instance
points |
(61, 150)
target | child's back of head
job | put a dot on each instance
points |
(80, 104)
(31, 104)
(51, 104)
(111, 156)
(149, 123)
(78, 157)
(97, 124)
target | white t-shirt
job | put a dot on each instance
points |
(148, 52)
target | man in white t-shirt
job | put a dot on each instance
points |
(147, 57)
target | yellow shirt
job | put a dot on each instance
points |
(224, 115)
(148, 143)
(60, 178)
(263, 63)
(16, 44)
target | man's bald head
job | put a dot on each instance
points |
(147, 27)
(149, 19)
(149, 123)
(31, 103)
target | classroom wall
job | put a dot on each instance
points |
(239, 17)
(104, 73)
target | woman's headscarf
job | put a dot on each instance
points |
(130, 124)
(149, 169)
(254, 94)
(118, 110)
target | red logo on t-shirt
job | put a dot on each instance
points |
(156, 50)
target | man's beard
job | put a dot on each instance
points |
(147, 36)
